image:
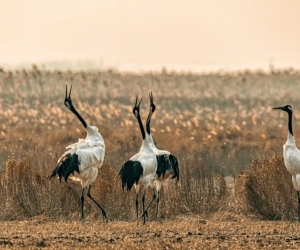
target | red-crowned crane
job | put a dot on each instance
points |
(167, 164)
(291, 154)
(82, 159)
(140, 170)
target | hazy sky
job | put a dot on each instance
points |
(146, 35)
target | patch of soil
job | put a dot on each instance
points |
(220, 231)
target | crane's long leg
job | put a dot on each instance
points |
(137, 206)
(145, 212)
(157, 201)
(143, 203)
(298, 194)
(82, 204)
(102, 210)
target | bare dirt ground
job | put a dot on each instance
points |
(221, 231)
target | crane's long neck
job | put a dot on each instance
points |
(149, 136)
(74, 111)
(148, 123)
(290, 122)
(141, 126)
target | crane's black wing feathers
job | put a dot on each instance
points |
(163, 164)
(167, 163)
(66, 166)
(174, 163)
(130, 173)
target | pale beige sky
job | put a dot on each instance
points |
(146, 35)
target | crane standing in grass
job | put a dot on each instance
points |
(291, 154)
(141, 168)
(82, 159)
(167, 164)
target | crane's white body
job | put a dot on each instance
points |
(158, 181)
(291, 155)
(91, 153)
(147, 158)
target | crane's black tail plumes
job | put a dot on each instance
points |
(167, 163)
(163, 165)
(66, 166)
(175, 166)
(130, 173)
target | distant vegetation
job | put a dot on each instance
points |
(216, 124)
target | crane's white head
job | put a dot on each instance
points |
(136, 108)
(152, 106)
(286, 108)
(68, 100)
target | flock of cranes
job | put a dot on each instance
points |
(149, 167)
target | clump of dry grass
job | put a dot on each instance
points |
(200, 190)
(26, 192)
(266, 189)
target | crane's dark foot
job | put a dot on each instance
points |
(104, 217)
(145, 213)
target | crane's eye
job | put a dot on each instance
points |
(135, 111)
(153, 107)
(68, 105)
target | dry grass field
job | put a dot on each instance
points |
(234, 191)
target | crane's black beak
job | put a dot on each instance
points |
(151, 97)
(281, 108)
(68, 100)
(136, 109)
(136, 100)
(70, 92)
(152, 106)
(66, 93)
